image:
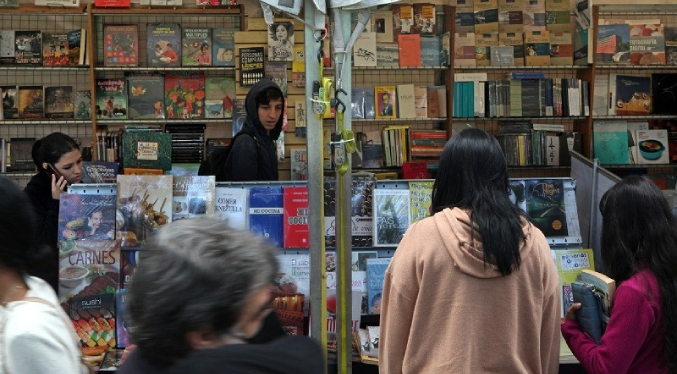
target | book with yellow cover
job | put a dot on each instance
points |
(386, 101)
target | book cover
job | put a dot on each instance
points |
(59, 102)
(277, 72)
(570, 263)
(670, 45)
(421, 101)
(295, 219)
(545, 206)
(7, 53)
(486, 16)
(561, 49)
(386, 102)
(383, 26)
(299, 164)
(647, 44)
(633, 127)
(613, 44)
(610, 142)
(111, 99)
(120, 45)
(31, 102)
(93, 318)
(82, 105)
(292, 291)
(652, 147)
(376, 270)
(391, 216)
(420, 197)
(196, 48)
(410, 50)
(510, 16)
(632, 95)
(184, 95)
(533, 15)
(163, 46)
(55, 49)
(20, 154)
(483, 45)
(146, 93)
(558, 16)
(232, 206)
(193, 196)
(362, 226)
(266, 210)
(220, 96)
(145, 205)
(281, 41)
(142, 171)
(372, 149)
(465, 16)
(445, 51)
(406, 107)
(388, 55)
(431, 50)
(601, 96)
(223, 47)
(364, 50)
(251, 65)
(664, 92)
(424, 19)
(90, 217)
(403, 18)
(89, 268)
(298, 67)
(121, 322)
(537, 48)
(357, 98)
(502, 56)
(149, 150)
(77, 43)
(99, 172)
(604, 286)
(464, 49)
(239, 116)
(28, 47)
(514, 40)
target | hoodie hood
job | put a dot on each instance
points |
(464, 244)
(251, 108)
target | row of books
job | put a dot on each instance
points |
(527, 144)
(475, 96)
(401, 101)
(34, 47)
(540, 48)
(169, 45)
(620, 142)
(410, 50)
(626, 94)
(636, 42)
(37, 102)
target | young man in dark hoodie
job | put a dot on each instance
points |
(264, 105)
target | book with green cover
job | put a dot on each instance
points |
(148, 150)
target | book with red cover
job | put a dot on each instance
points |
(410, 49)
(415, 170)
(112, 3)
(121, 45)
(185, 95)
(296, 217)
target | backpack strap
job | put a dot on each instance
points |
(250, 132)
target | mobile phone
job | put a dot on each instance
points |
(51, 169)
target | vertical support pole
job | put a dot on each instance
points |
(318, 282)
(344, 313)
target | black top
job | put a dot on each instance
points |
(242, 161)
(39, 190)
(287, 355)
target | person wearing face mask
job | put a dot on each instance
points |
(201, 290)
(59, 161)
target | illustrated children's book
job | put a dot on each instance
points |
(111, 99)
(163, 44)
(391, 216)
(545, 206)
(185, 95)
(145, 205)
(121, 45)
(266, 214)
(232, 206)
(146, 94)
(220, 97)
(147, 149)
(196, 49)
(193, 196)
(82, 216)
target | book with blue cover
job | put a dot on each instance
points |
(223, 46)
(545, 206)
(100, 172)
(86, 217)
(610, 142)
(266, 212)
(376, 269)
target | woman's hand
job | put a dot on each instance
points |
(58, 186)
(571, 312)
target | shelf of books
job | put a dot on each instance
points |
(634, 110)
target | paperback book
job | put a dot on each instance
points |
(391, 216)
(220, 96)
(545, 206)
(295, 218)
(223, 47)
(145, 205)
(147, 149)
(31, 102)
(121, 45)
(111, 99)
(28, 47)
(55, 50)
(99, 172)
(277, 72)
(291, 290)
(163, 44)
(193, 196)
(59, 102)
(376, 269)
(610, 142)
(266, 214)
(81, 216)
(83, 104)
(251, 66)
(146, 93)
(197, 47)
(232, 206)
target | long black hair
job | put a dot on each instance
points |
(639, 232)
(473, 174)
(53, 146)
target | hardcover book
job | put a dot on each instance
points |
(464, 49)
(93, 318)
(410, 49)
(483, 45)
(223, 47)
(613, 44)
(20, 154)
(220, 96)
(652, 147)
(383, 26)
(145, 149)
(59, 102)
(545, 206)
(386, 102)
(120, 45)
(664, 91)
(90, 268)
(647, 44)
(632, 95)
(145, 205)
(610, 142)
(388, 55)
(7, 53)
(111, 99)
(251, 66)
(89, 217)
(364, 50)
(277, 72)
(295, 219)
(232, 206)
(28, 47)
(266, 210)
(197, 47)
(193, 196)
(146, 94)
(537, 48)
(510, 16)
(420, 197)
(31, 102)
(10, 102)
(391, 216)
(163, 46)
(99, 172)
(83, 104)
(55, 50)
(184, 95)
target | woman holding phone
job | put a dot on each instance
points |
(58, 158)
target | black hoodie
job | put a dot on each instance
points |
(243, 163)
